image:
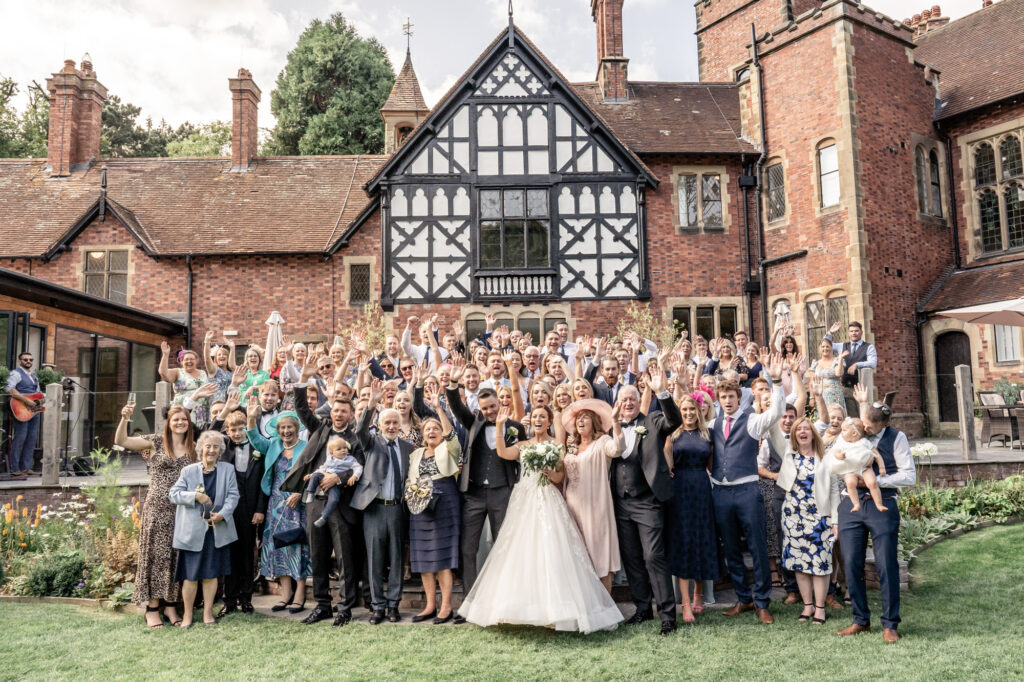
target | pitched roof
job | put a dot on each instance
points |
(674, 118)
(977, 62)
(974, 286)
(180, 206)
(406, 94)
(443, 104)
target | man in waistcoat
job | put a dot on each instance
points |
(856, 354)
(883, 527)
(739, 507)
(21, 384)
(486, 480)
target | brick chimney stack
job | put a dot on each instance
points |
(245, 100)
(612, 67)
(76, 117)
(928, 20)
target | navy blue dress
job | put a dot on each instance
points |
(210, 562)
(434, 535)
(690, 514)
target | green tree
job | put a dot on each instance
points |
(123, 137)
(23, 134)
(329, 95)
(10, 133)
(208, 139)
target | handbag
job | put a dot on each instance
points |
(421, 495)
(292, 536)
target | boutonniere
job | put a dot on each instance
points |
(640, 431)
(511, 432)
(256, 455)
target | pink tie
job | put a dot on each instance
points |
(728, 425)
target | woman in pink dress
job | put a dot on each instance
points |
(587, 488)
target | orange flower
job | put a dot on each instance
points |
(24, 512)
(19, 498)
(24, 545)
(9, 516)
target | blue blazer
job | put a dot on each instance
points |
(189, 525)
(273, 448)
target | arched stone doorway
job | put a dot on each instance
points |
(951, 349)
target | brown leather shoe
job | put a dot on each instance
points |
(738, 609)
(890, 635)
(792, 598)
(832, 603)
(854, 629)
(765, 616)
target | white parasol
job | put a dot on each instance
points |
(1009, 313)
(274, 339)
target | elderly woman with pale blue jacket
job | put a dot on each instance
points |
(205, 494)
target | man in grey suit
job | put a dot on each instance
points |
(379, 496)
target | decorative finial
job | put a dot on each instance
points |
(407, 30)
(510, 9)
(511, 27)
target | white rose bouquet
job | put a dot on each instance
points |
(540, 456)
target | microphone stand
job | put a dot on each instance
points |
(67, 384)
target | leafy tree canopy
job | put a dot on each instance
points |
(329, 95)
(208, 139)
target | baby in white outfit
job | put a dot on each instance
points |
(852, 455)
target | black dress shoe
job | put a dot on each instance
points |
(246, 607)
(227, 609)
(316, 615)
(376, 618)
(667, 628)
(419, 618)
(343, 618)
(459, 620)
(640, 617)
(439, 620)
(393, 615)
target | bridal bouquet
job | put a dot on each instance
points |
(539, 456)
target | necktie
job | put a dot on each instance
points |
(728, 427)
(396, 470)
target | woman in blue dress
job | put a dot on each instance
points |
(690, 514)
(289, 564)
(808, 517)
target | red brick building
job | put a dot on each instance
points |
(851, 165)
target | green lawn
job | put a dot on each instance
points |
(963, 620)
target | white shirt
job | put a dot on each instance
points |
(242, 457)
(906, 473)
(490, 435)
(473, 399)
(758, 427)
(629, 432)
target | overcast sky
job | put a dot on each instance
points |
(173, 58)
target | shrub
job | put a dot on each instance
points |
(639, 318)
(1009, 389)
(48, 376)
(58, 576)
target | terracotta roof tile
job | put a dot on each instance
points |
(674, 118)
(977, 62)
(178, 206)
(974, 286)
(406, 94)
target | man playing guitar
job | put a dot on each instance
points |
(23, 386)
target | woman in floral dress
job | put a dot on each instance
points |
(290, 564)
(829, 369)
(186, 380)
(154, 577)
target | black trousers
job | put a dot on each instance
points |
(384, 528)
(479, 504)
(339, 537)
(640, 522)
(884, 528)
(239, 584)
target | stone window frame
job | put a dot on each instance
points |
(782, 221)
(968, 144)
(107, 249)
(700, 170)
(560, 311)
(821, 145)
(716, 302)
(346, 280)
(929, 146)
(825, 297)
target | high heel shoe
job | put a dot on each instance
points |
(688, 618)
(803, 618)
(819, 621)
(698, 603)
(298, 609)
(159, 623)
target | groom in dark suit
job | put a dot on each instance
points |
(486, 480)
(379, 494)
(641, 484)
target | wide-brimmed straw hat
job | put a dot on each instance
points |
(599, 407)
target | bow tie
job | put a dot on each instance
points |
(632, 422)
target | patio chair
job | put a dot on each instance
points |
(991, 398)
(996, 422)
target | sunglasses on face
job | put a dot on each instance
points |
(407, 368)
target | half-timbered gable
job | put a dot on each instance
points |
(513, 189)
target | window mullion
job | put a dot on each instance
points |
(1004, 229)
(700, 200)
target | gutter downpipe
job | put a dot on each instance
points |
(188, 303)
(759, 168)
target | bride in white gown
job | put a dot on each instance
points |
(539, 572)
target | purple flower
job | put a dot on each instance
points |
(79, 586)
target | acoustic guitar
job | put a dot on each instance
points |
(24, 413)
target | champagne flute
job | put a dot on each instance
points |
(131, 398)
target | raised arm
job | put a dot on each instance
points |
(121, 437)
(758, 425)
(458, 407)
(363, 426)
(518, 410)
(211, 366)
(435, 350)
(510, 452)
(306, 415)
(166, 373)
(256, 439)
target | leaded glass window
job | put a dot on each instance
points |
(106, 275)
(988, 213)
(984, 165)
(1009, 157)
(514, 229)
(776, 191)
